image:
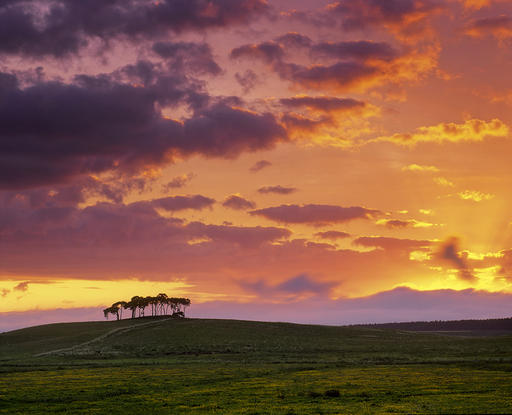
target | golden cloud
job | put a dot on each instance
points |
(420, 168)
(475, 195)
(471, 130)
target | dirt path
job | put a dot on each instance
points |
(112, 332)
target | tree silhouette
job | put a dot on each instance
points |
(162, 304)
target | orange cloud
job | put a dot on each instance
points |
(471, 130)
(500, 27)
(475, 4)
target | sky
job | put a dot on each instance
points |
(328, 162)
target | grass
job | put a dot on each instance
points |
(236, 367)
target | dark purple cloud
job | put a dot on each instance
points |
(341, 75)
(295, 286)
(293, 39)
(397, 223)
(408, 16)
(260, 165)
(332, 235)
(297, 122)
(119, 227)
(177, 203)
(325, 104)
(500, 26)
(349, 70)
(178, 182)
(238, 203)
(361, 50)
(312, 214)
(195, 58)
(450, 253)
(268, 52)
(52, 132)
(63, 27)
(248, 80)
(279, 190)
(245, 237)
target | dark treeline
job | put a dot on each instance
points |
(455, 325)
(161, 305)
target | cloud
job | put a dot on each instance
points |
(470, 130)
(22, 286)
(137, 231)
(248, 80)
(326, 120)
(245, 237)
(269, 52)
(499, 26)
(297, 286)
(401, 17)
(294, 39)
(392, 243)
(48, 137)
(475, 4)
(60, 28)
(474, 195)
(260, 165)
(400, 223)
(340, 76)
(449, 252)
(323, 104)
(394, 223)
(177, 203)
(110, 241)
(312, 214)
(237, 202)
(280, 190)
(362, 50)
(332, 235)
(420, 168)
(196, 58)
(341, 66)
(178, 182)
(443, 181)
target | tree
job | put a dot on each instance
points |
(119, 305)
(133, 305)
(162, 301)
(111, 310)
(162, 304)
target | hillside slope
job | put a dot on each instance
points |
(166, 338)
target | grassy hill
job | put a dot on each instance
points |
(161, 365)
(165, 337)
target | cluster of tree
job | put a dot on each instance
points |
(160, 305)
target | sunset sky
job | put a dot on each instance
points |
(295, 160)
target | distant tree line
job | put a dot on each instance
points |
(440, 325)
(161, 305)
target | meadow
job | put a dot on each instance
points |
(196, 366)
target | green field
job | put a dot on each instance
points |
(192, 366)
